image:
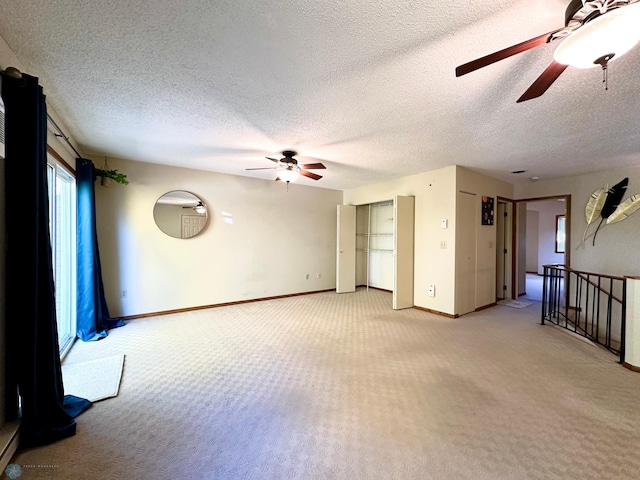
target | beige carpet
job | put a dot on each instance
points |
(331, 386)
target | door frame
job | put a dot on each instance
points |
(567, 199)
(513, 221)
(515, 250)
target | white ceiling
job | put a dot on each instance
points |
(368, 88)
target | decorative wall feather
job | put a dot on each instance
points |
(611, 203)
(625, 209)
(594, 207)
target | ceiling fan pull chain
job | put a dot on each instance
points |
(605, 76)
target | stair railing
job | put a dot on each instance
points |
(589, 304)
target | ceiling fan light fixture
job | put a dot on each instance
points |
(288, 173)
(200, 208)
(609, 35)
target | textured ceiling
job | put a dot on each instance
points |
(368, 88)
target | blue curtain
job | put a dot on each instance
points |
(92, 311)
(32, 362)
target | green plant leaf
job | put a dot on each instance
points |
(114, 174)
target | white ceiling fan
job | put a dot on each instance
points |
(595, 33)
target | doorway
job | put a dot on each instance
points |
(375, 245)
(546, 240)
(504, 249)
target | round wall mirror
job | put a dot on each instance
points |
(180, 214)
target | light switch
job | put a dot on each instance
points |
(443, 223)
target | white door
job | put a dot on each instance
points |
(192, 225)
(501, 286)
(346, 249)
(403, 228)
(467, 219)
(503, 250)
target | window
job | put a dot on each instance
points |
(62, 228)
(560, 233)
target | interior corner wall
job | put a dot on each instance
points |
(615, 251)
(261, 240)
(483, 185)
(435, 195)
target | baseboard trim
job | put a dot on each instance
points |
(522, 294)
(9, 440)
(381, 289)
(216, 305)
(375, 288)
(429, 310)
(486, 306)
(633, 368)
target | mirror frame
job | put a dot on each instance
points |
(181, 199)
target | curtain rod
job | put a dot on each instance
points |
(61, 134)
(13, 72)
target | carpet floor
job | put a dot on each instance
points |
(329, 386)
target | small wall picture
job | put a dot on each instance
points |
(487, 210)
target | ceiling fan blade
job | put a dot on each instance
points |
(505, 53)
(312, 166)
(272, 159)
(544, 81)
(266, 168)
(310, 175)
(277, 179)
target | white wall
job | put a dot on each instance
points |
(435, 195)
(532, 241)
(261, 240)
(615, 251)
(483, 185)
(547, 212)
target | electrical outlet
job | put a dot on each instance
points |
(307, 277)
(123, 294)
(318, 275)
(432, 290)
(443, 244)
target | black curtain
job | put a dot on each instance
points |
(33, 361)
(93, 313)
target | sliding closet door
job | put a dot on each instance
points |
(403, 230)
(346, 249)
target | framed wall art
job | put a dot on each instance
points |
(487, 210)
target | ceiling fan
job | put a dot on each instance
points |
(199, 207)
(288, 168)
(595, 33)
